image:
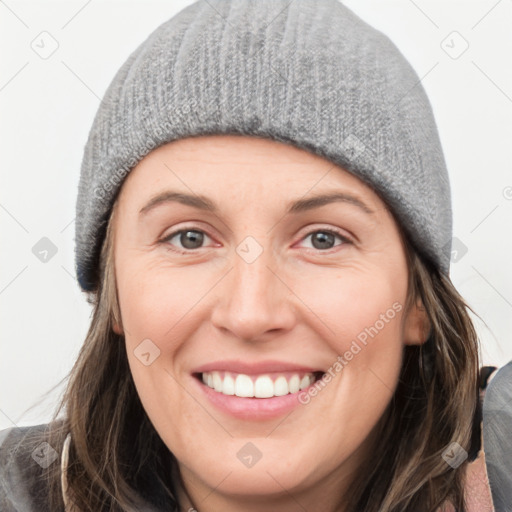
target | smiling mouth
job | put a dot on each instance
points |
(266, 385)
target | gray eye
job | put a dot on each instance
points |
(322, 239)
(191, 239)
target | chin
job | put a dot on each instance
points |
(254, 482)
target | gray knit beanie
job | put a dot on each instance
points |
(303, 72)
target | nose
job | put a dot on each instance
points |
(255, 301)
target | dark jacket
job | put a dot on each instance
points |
(497, 437)
(23, 461)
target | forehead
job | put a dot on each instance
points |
(237, 167)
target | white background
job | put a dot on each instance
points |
(48, 105)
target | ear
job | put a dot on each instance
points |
(417, 327)
(117, 328)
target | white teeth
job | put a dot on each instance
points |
(228, 387)
(244, 386)
(262, 386)
(281, 386)
(294, 384)
(305, 382)
(217, 381)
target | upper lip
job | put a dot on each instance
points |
(254, 368)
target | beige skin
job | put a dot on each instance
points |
(296, 302)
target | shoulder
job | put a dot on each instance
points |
(26, 457)
(499, 390)
(497, 436)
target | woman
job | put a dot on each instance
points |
(264, 229)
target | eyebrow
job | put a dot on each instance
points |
(300, 205)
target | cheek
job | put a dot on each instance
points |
(160, 307)
(151, 305)
(157, 309)
(360, 317)
(155, 299)
(356, 307)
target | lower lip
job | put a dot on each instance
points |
(252, 408)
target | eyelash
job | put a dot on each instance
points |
(331, 231)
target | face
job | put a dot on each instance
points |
(238, 290)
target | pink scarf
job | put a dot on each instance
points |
(477, 491)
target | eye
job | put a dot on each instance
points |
(189, 239)
(324, 239)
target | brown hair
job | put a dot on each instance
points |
(116, 455)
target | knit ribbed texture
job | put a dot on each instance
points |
(305, 72)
